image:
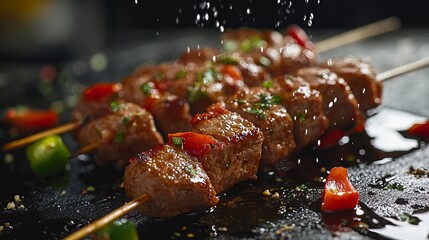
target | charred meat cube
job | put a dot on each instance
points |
(304, 105)
(263, 109)
(213, 84)
(360, 75)
(171, 113)
(175, 182)
(237, 157)
(339, 103)
(129, 129)
(95, 101)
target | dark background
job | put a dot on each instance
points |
(46, 30)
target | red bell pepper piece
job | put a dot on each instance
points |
(420, 130)
(232, 71)
(339, 193)
(100, 91)
(300, 36)
(331, 138)
(30, 120)
(194, 144)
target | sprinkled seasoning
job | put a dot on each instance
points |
(126, 121)
(228, 60)
(119, 137)
(190, 169)
(146, 88)
(180, 74)
(115, 106)
(177, 141)
(267, 84)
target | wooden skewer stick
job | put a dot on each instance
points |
(86, 149)
(119, 212)
(32, 138)
(373, 29)
(403, 69)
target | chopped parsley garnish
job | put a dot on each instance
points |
(256, 111)
(177, 141)
(396, 186)
(265, 61)
(301, 117)
(240, 101)
(248, 45)
(209, 75)
(180, 74)
(190, 169)
(119, 137)
(229, 45)
(409, 218)
(228, 60)
(126, 121)
(146, 88)
(115, 106)
(267, 84)
(265, 101)
(195, 93)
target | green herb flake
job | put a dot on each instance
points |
(409, 218)
(195, 93)
(240, 101)
(265, 61)
(115, 106)
(301, 117)
(146, 88)
(267, 84)
(265, 101)
(190, 169)
(209, 75)
(177, 141)
(255, 111)
(228, 60)
(126, 121)
(180, 74)
(90, 188)
(119, 137)
(248, 45)
(396, 186)
(229, 45)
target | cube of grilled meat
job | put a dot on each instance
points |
(263, 109)
(214, 83)
(128, 130)
(304, 105)
(172, 77)
(237, 158)
(175, 182)
(360, 75)
(155, 91)
(339, 103)
(95, 101)
(277, 53)
(171, 113)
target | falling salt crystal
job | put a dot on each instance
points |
(248, 11)
(221, 29)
